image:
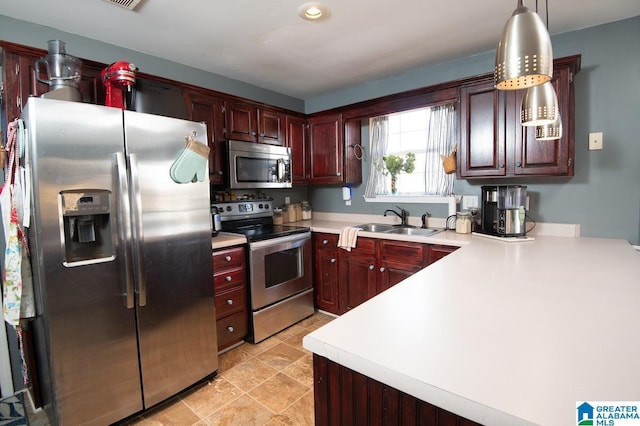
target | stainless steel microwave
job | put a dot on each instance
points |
(257, 165)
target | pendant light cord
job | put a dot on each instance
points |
(546, 11)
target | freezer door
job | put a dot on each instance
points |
(87, 349)
(172, 229)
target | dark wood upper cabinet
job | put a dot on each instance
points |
(21, 81)
(209, 110)
(298, 142)
(326, 147)
(533, 157)
(334, 150)
(483, 124)
(251, 123)
(493, 143)
(326, 139)
(241, 122)
(271, 127)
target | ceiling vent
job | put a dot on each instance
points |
(127, 4)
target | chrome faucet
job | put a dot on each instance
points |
(403, 215)
(425, 218)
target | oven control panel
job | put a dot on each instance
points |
(234, 210)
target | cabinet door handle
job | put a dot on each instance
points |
(262, 135)
(229, 301)
(382, 269)
(371, 267)
(333, 261)
(228, 278)
(325, 242)
(518, 164)
(338, 174)
(501, 166)
(227, 258)
(220, 172)
(230, 329)
(253, 133)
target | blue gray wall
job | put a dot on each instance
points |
(604, 195)
(29, 34)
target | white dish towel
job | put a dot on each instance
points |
(348, 238)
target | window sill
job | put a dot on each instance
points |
(419, 199)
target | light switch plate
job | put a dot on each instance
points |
(595, 141)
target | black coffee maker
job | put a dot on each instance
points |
(503, 210)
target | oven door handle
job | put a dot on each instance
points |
(279, 240)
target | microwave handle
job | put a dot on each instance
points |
(280, 170)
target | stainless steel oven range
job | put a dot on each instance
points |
(280, 278)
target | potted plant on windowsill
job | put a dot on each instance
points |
(394, 165)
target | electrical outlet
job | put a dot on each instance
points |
(469, 201)
(595, 141)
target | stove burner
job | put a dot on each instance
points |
(265, 232)
(254, 220)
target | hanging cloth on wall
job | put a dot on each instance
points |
(17, 282)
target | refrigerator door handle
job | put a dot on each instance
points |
(124, 227)
(138, 237)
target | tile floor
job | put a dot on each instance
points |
(270, 383)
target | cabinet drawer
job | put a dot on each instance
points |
(321, 241)
(231, 329)
(226, 279)
(403, 252)
(227, 259)
(364, 246)
(230, 301)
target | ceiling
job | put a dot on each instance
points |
(265, 43)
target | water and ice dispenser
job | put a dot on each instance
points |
(87, 236)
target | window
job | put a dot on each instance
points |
(429, 133)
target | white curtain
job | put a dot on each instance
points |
(441, 138)
(378, 141)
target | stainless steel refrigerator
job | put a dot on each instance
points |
(121, 260)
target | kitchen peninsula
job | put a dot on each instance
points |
(500, 333)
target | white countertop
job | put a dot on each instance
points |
(225, 239)
(450, 238)
(503, 333)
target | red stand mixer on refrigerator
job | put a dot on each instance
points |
(118, 79)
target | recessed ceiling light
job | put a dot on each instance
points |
(313, 11)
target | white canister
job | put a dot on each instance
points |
(278, 216)
(306, 211)
(463, 222)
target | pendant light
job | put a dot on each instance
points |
(524, 56)
(549, 132)
(539, 105)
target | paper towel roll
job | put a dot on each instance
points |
(346, 193)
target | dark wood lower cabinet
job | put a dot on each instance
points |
(345, 397)
(345, 279)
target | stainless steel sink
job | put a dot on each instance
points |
(375, 227)
(421, 232)
(395, 229)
